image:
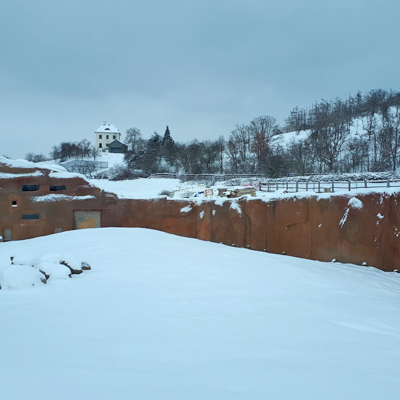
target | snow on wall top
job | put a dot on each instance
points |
(59, 197)
(17, 163)
(5, 175)
(55, 170)
(107, 128)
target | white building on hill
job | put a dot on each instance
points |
(106, 134)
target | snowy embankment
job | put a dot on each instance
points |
(165, 317)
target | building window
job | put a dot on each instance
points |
(30, 188)
(100, 136)
(56, 188)
(30, 216)
(114, 136)
(14, 203)
(107, 144)
(100, 145)
(106, 136)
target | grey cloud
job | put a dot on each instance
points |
(204, 66)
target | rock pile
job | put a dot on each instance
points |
(29, 270)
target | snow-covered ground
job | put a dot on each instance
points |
(142, 188)
(165, 317)
(148, 188)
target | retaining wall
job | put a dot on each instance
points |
(365, 228)
(318, 229)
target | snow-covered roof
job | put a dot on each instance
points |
(107, 128)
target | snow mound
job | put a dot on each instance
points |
(21, 276)
(167, 317)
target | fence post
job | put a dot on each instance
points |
(388, 182)
(297, 187)
(333, 186)
(277, 185)
(319, 186)
(307, 186)
(287, 185)
(349, 184)
(365, 183)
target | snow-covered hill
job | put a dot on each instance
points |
(165, 317)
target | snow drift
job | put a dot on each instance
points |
(166, 317)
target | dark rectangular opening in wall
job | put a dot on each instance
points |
(56, 188)
(30, 216)
(30, 188)
(87, 219)
(7, 234)
(14, 203)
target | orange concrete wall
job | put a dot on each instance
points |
(308, 227)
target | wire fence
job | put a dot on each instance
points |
(327, 186)
(288, 185)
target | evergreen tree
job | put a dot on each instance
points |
(169, 148)
(167, 141)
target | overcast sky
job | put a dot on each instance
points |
(200, 67)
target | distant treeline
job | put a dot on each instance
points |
(358, 134)
(329, 112)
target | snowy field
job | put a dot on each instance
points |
(164, 317)
(141, 188)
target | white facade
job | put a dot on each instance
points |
(105, 134)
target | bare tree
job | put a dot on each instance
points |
(238, 150)
(261, 130)
(134, 140)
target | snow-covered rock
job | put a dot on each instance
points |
(28, 259)
(85, 266)
(72, 263)
(54, 270)
(21, 276)
(52, 257)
